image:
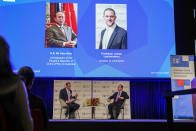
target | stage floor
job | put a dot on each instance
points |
(134, 124)
(133, 120)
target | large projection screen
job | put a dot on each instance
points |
(146, 29)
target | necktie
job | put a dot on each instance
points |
(69, 96)
(61, 28)
(117, 96)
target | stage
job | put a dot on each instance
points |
(136, 124)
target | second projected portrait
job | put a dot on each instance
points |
(111, 26)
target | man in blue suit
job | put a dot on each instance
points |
(113, 36)
(66, 96)
(119, 98)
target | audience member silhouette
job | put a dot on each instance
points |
(35, 102)
(13, 95)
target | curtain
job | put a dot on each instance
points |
(147, 98)
(52, 12)
(43, 88)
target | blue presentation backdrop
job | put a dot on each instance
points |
(150, 40)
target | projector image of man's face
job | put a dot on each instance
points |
(109, 17)
(60, 18)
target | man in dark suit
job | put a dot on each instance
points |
(119, 98)
(60, 35)
(66, 96)
(113, 36)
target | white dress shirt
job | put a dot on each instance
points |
(107, 35)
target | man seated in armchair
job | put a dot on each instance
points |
(119, 98)
(69, 100)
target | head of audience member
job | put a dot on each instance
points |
(120, 87)
(68, 85)
(27, 75)
(5, 65)
(59, 18)
(109, 16)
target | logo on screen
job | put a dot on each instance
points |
(9, 0)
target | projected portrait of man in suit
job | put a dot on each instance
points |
(60, 35)
(112, 36)
(61, 25)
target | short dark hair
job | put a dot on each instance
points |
(5, 65)
(110, 9)
(67, 83)
(121, 85)
(26, 74)
(58, 12)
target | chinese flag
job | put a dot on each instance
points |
(180, 82)
(66, 11)
(73, 18)
(52, 12)
(70, 16)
